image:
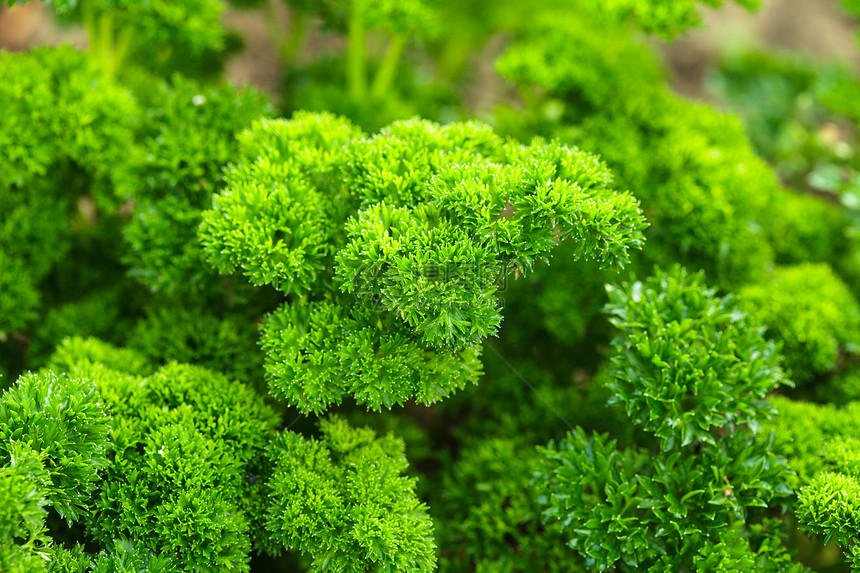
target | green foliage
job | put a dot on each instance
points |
(342, 500)
(185, 480)
(488, 517)
(817, 440)
(190, 438)
(18, 295)
(191, 23)
(188, 136)
(811, 312)
(62, 419)
(543, 403)
(410, 16)
(378, 262)
(70, 114)
(182, 442)
(541, 61)
(702, 188)
(117, 28)
(843, 387)
(802, 429)
(665, 18)
(363, 79)
(76, 352)
(562, 299)
(275, 234)
(189, 333)
(687, 363)
(23, 485)
(395, 243)
(828, 505)
(318, 86)
(692, 371)
(780, 101)
(801, 117)
(96, 315)
(807, 228)
(182, 469)
(125, 556)
(317, 352)
(64, 130)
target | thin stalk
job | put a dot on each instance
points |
(388, 68)
(89, 24)
(293, 45)
(355, 58)
(273, 26)
(106, 33)
(120, 50)
(106, 49)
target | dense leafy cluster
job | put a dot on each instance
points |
(802, 117)
(64, 126)
(702, 188)
(811, 311)
(689, 362)
(348, 482)
(191, 466)
(119, 30)
(331, 330)
(818, 441)
(665, 18)
(828, 505)
(189, 135)
(690, 370)
(712, 204)
(502, 529)
(392, 246)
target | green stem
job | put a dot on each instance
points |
(355, 59)
(298, 29)
(106, 33)
(89, 24)
(120, 50)
(273, 29)
(388, 68)
(106, 49)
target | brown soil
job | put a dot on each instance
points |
(31, 24)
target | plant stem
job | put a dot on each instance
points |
(290, 49)
(273, 28)
(89, 24)
(106, 33)
(388, 68)
(355, 59)
(106, 49)
(120, 50)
